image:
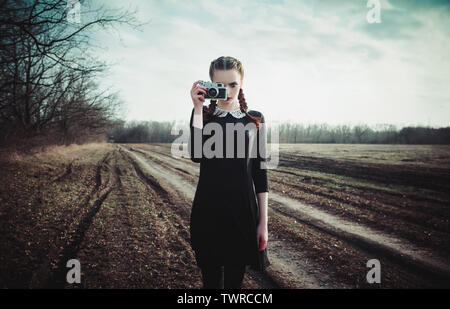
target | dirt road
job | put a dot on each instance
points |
(123, 211)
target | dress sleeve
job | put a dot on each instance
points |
(195, 142)
(259, 173)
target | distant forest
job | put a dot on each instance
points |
(160, 132)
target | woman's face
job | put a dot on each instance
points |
(232, 80)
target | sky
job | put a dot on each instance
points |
(304, 61)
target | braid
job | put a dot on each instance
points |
(242, 103)
(244, 108)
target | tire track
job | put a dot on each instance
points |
(57, 279)
(400, 251)
(405, 254)
(150, 181)
(280, 269)
(173, 180)
(171, 210)
(273, 277)
(304, 273)
(173, 163)
(434, 178)
(376, 207)
(188, 169)
(434, 205)
(66, 173)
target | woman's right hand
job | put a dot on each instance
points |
(196, 94)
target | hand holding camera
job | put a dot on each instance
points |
(202, 90)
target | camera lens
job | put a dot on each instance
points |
(212, 92)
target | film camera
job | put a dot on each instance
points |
(214, 91)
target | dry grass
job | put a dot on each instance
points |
(64, 152)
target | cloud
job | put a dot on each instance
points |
(306, 61)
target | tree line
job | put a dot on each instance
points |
(160, 132)
(362, 134)
(49, 89)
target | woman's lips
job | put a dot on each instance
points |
(228, 99)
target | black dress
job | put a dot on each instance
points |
(225, 212)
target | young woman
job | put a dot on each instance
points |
(229, 215)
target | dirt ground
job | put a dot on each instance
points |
(123, 211)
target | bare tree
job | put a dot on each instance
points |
(45, 66)
(359, 131)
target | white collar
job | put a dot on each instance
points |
(237, 113)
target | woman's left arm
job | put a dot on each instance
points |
(262, 231)
(261, 186)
